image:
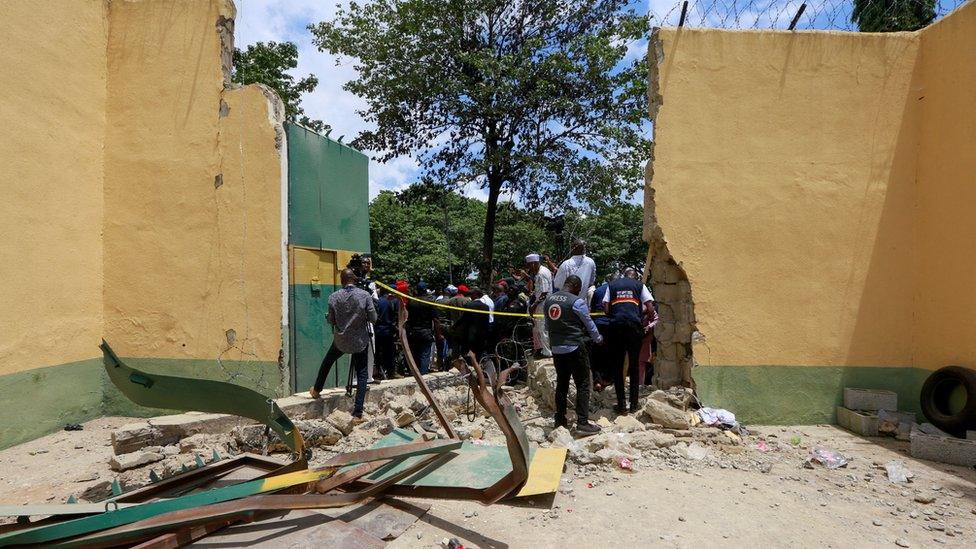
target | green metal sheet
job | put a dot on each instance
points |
(311, 337)
(201, 395)
(472, 466)
(328, 192)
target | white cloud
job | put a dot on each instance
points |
(287, 20)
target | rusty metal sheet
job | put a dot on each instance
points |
(244, 508)
(412, 364)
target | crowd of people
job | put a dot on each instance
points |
(595, 332)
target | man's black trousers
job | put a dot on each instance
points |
(576, 365)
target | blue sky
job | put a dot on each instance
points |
(286, 20)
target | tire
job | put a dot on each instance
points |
(935, 399)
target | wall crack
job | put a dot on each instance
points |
(669, 282)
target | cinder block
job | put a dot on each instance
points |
(955, 451)
(870, 399)
(856, 422)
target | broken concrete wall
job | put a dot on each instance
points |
(193, 183)
(774, 184)
(144, 205)
(52, 106)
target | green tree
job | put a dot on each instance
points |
(539, 99)
(427, 232)
(268, 64)
(892, 15)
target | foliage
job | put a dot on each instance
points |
(424, 232)
(892, 15)
(538, 99)
(268, 63)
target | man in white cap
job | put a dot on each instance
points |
(541, 288)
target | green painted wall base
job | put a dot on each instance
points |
(798, 395)
(40, 401)
(43, 400)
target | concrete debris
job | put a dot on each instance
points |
(135, 459)
(341, 420)
(407, 417)
(134, 436)
(383, 424)
(204, 443)
(647, 440)
(627, 424)
(693, 451)
(925, 498)
(666, 415)
(679, 397)
(897, 472)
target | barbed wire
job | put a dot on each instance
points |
(774, 14)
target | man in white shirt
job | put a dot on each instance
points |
(541, 288)
(580, 265)
(486, 299)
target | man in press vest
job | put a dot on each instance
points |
(623, 304)
(570, 327)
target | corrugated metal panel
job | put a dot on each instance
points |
(328, 186)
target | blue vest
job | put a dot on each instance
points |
(625, 303)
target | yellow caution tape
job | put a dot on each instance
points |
(462, 309)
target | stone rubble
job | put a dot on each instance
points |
(663, 434)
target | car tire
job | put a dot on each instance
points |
(935, 399)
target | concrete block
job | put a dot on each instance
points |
(668, 293)
(857, 422)
(134, 436)
(970, 435)
(664, 331)
(870, 399)
(955, 451)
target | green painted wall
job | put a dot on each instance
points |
(40, 401)
(784, 395)
(328, 193)
(43, 400)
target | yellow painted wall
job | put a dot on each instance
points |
(185, 259)
(945, 293)
(784, 171)
(52, 120)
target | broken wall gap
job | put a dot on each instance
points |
(677, 326)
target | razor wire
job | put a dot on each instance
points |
(770, 14)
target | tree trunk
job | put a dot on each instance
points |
(488, 242)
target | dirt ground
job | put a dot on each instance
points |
(725, 499)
